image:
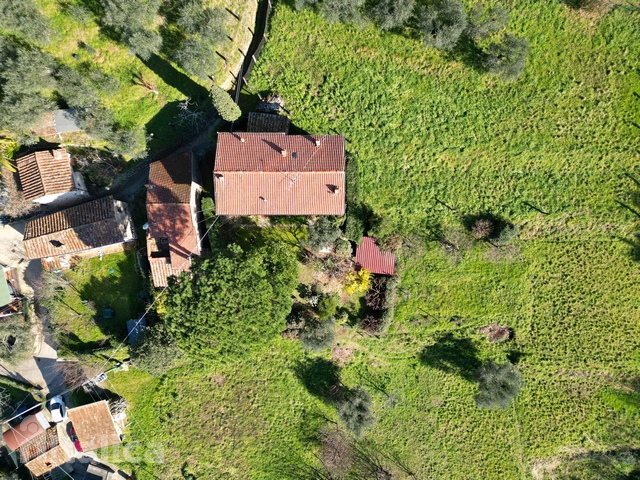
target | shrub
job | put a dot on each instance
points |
(344, 248)
(224, 104)
(318, 334)
(357, 282)
(328, 306)
(155, 351)
(482, 229)
(499, 385)
(390, 14)
(507, 58)
(442, 23)
(484, 21)
(354, 411)
(323, 233)
(75, 87)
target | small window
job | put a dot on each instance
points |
(294, 155)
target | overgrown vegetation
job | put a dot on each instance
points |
(232, 302)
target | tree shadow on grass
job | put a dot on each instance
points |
(452, 355)
(468, 52)
(321, 377)
(178, 80)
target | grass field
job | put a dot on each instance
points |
(94, 285)
(432, 140)
(135, 106)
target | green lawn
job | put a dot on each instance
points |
(77, 316)
(423, 131)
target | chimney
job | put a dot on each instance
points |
(242, 139)
(317, 142)
(283, 152)
(263, 199)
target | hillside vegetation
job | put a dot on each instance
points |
(434, 143)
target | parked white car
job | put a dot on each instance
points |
(58, 409)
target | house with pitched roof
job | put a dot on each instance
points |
(279, 174)
(47, 449)
(47, 177)
(90, 229)
(173, 196)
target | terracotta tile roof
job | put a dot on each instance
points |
(45, 173)
(370, 257)
(267, 122)
(94, 425)
(82, 227)
(30, 428)
(254, 178)
(170, 179)
(172, 235)
(48, 461)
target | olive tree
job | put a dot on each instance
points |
(388, 14)
(442, 23)
(507, 58)
(499, 385)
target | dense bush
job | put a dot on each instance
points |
(442, 23)
(224, 104)
(357, 282)
(328, 306)
(155, 351)
(323, 233)
(318, 334)
(499, 385)
(232, 302)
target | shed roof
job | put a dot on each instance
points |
(267, 122)
(46, 172)
(48, 461)
(277, 174)
(31, 427)
(135, 328)
(82, 227)
(94, 425)
(65, 121)
(370, 257)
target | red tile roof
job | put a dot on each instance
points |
(31, 427)
(170, 179)
(172, 236)
(82, 227)
(370, 257)
(94, 425)
(277, 174)
(45, 173)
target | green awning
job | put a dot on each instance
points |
(5, 296)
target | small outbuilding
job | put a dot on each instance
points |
(47, 177)
(371, 258)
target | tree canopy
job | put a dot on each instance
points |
(224, 104)
(442, 23)
(499, 385)
(133, 21)
(233, 301)
(507, 58)
(390, 14)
